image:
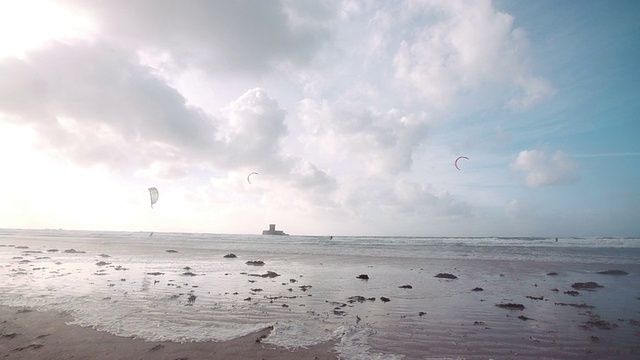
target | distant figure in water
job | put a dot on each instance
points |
(331, 237)
(556, 239)
(150, 235)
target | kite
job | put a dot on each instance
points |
(153, 192)
(248, 176)
(456, 162)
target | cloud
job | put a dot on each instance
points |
(461, 46)
(543, 170)
(233, 35)
(255, 128)
(94, 104)
(400, 207)
(516, 210)
(380, 142)
(418, 200)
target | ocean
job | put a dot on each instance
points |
(181, 287)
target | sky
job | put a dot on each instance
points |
(352, 114)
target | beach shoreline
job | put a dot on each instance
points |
(43, 335)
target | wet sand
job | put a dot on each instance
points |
(369, 307)
(34, 335)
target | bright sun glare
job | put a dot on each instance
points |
(25, 25)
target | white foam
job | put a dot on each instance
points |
(354, 344)
(299, 334)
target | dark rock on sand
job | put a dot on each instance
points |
(524, 318)
(384, 299)
(155, 273)
(157, 347)
(511, 306)
(598, 323)
(363, 277)
(171, 251)
(29, 347)
(74, 251)
(269, 274)
(586, 286)
(102, 263)
(579, 306)
(230, 256)
(263, 336)
(477, 289)
(446, 276)
(553, 273)
(572, 293)
(191, 299)
(405, 287)
(359, 299)
(613, 272)
(422, 313)
(535, 297)
(255, 262)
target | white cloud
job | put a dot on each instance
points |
(544, 170)
(516, 210)
(418, 200)
(461, 46)
(380, 142)
(255, 128)
(96, 105)
(533, 90)
(249, 35)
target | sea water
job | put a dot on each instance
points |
(180, 287)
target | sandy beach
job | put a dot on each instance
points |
(34, 335)
(124, 296)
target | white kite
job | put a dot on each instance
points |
(153, 192)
